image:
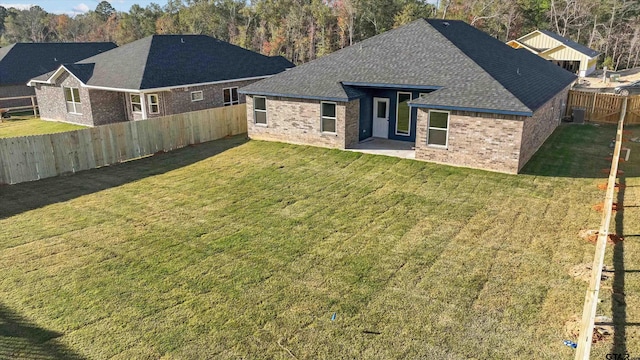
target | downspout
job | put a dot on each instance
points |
(143, 104)
(126, 106)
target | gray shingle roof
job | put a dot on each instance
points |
(160, 61)
(21, 62)
(471, 69)
(572, 44)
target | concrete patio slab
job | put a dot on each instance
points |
(377, 146)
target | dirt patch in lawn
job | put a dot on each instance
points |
(592, 237)
(583, 272)
(615, 207)
(602, 329)
(603, 186)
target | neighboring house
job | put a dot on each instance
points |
(561, 51)
(461, 96)
(155, 76)
(21, 62)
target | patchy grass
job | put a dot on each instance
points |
(236, 249)
(28, 125)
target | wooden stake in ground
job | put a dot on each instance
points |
(591, 299)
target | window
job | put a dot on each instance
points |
(154, 104)
(438, 128)
(260, 110)
(382, 112)
(72, 96)
(136, 104)
(328, 115)
(196, 96)
(403, 114)
(230, 96)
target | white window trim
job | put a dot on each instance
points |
(266, 116)
(397, 110)
(140, 103)
(149, 96)
(232, 102)
(446, 146)
(197, 92)
(334, 118)
(73, 100)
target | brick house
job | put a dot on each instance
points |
(20, 62)
(155, 76)
(458, 95)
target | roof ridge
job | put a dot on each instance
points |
(146, 60)
(484, 70)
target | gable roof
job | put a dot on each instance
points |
(570, 43)
(21, 62)
(470, 69)
(164, 61)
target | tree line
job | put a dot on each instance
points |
(302, 30)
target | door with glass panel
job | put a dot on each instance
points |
(381, 117)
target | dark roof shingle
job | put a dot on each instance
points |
(530, 78)
(160, 61)
(471, 69)
(21, 62)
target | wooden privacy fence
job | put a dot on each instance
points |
(604, 108)
(36, 157)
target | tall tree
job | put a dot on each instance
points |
(27, 25)
(3, 15)
(104, 10)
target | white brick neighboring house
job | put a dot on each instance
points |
(459, 95)
(155, 76)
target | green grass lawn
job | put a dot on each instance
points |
(236, 249)
(28, 125)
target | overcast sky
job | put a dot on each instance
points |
(77, 6)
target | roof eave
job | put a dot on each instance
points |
(391, 86)
(54, 76)
(526, 47)
(464, 108)
(166, 88)
(298, 96)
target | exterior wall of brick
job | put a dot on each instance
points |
(179, 100)
(176, 101)
(476, 140)
(352, 123)
(103, 107)
(53, 106)
(99, 107)
(107, 107)
(540, 126)
(297, 121)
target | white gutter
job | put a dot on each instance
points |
(55, 75)
(166, 88)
